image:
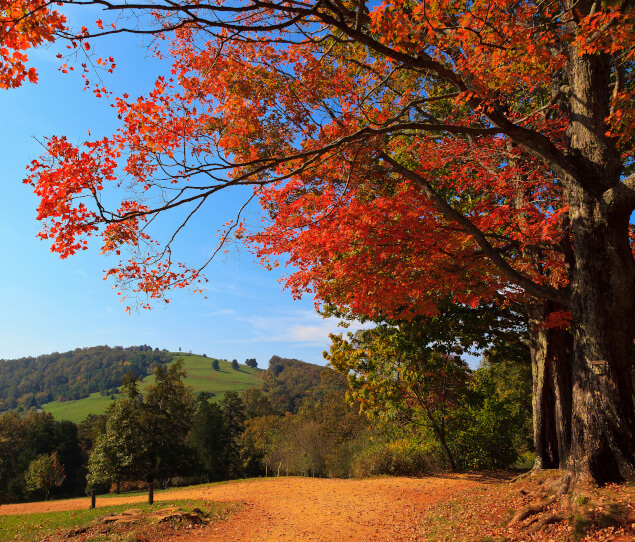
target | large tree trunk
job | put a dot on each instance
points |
(603, 284)
(551, 353)
(602, 296)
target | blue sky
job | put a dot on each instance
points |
(50, 304)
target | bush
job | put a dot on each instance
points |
(404, 457)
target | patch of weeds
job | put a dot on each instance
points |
(581, 500)
(580, 526)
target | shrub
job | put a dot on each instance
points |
(404, 457)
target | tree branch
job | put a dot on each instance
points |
(531, 287)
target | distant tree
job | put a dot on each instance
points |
(289, 381)
(179, 348)
(12, 442)
(45, 472)
(257, 404)
(266, 439)
(204, 355)
(209, 439)
(234, 425)
(251, 362)
(215, 365)
(235, 364)
(89, 429)
(168, 410)
(119, 452)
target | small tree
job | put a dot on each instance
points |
(45, 472)
(215, 365)
(251, 362)
(235, 364)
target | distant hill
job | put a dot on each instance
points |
(200, 376)
(33, 381)
(288, 382)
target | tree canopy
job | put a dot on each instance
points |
(478, 151)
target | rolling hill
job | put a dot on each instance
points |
(200, 376)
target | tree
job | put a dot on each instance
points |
(251, 362)
(478, 151)
(235, 365)
(215, 365)
(256, 403)
(45, 472)
(147, 437)
(119, 452)
(391, 372)
(207, 437)
(12, 441)
(233, 426)
(168, 410)
(288, 382)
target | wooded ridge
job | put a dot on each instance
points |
(33, 381)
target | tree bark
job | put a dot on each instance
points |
(551, 358)
(603, 285)
(602, 296)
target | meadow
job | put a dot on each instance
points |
(200, 376)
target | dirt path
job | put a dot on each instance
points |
(307, 509)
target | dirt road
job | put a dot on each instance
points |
(308, 509)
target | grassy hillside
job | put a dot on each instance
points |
(200, 376)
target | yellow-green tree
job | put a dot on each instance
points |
(45, 472)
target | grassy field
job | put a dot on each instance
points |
(36, 527)
(200, 376)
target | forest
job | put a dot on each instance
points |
(305, 420)
(31, 382)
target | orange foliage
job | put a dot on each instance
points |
(460, 94)
(24, 24)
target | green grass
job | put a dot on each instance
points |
(200, 376)
(35, 527)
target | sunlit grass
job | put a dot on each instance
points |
(35, 527)
(200, 376)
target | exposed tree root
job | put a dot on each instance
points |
(554, 497)
(543, 522)
(529, 510)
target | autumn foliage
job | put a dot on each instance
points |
(290, 120)
(24, 24)
(477, 151)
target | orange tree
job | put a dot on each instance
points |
(477, 150)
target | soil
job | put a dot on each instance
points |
(308, 509)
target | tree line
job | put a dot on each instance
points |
(305, 420)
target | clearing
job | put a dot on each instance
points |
(467, 507)
(304, 509)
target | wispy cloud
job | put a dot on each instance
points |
(300, 327)
(221, 312)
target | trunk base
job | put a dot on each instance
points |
(559, 497)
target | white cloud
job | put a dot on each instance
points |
(221, 312)
(304, 327)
